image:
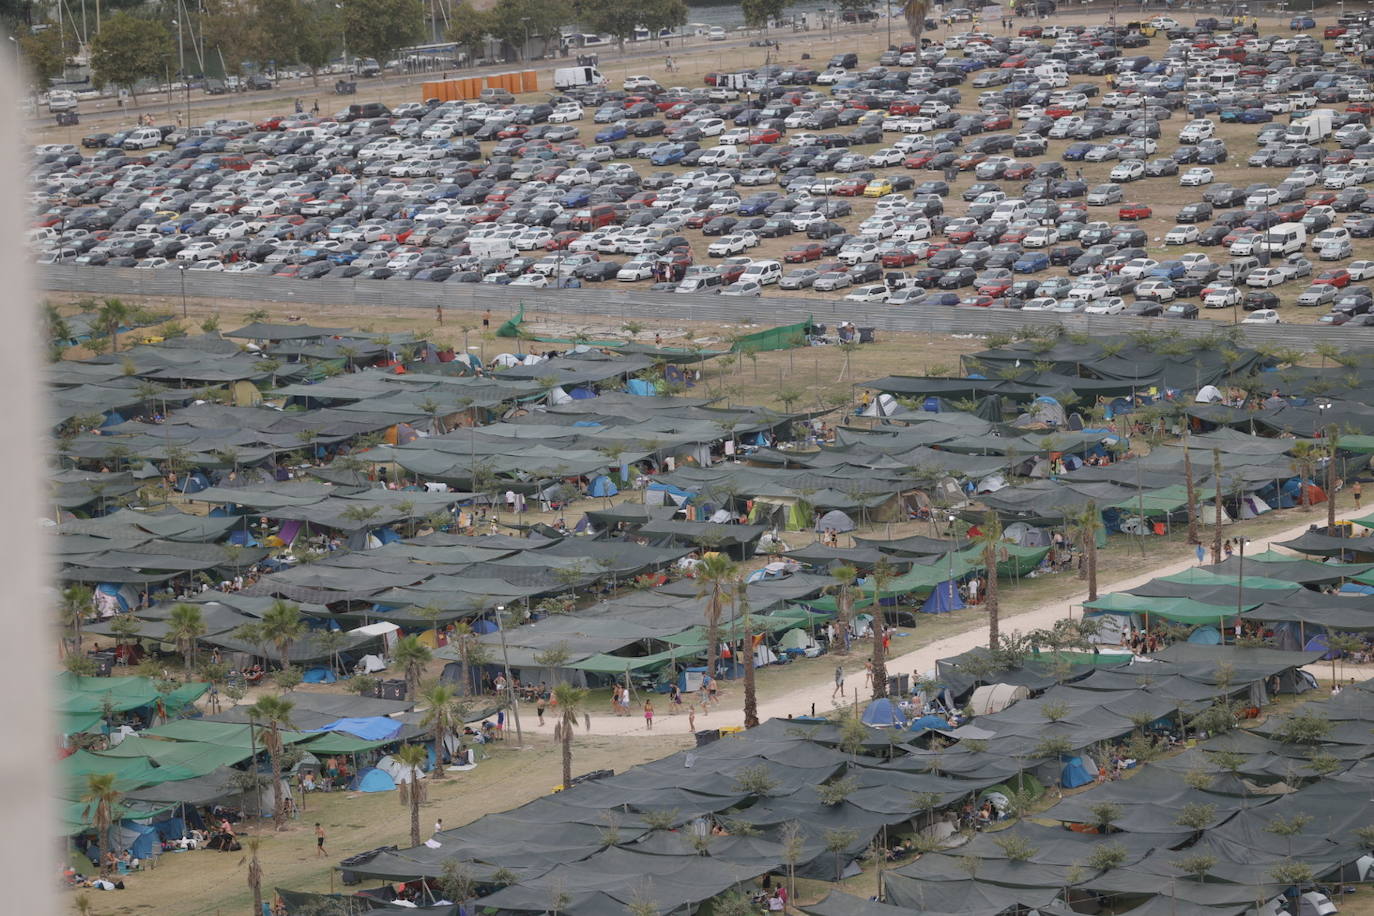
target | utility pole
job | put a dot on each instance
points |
(510, 683)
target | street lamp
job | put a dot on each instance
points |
(511, 697)
(181, 50)
(950, 556)
(1240, 577)
(525, 48)
(181, 269)
(343, 33)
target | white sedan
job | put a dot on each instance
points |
(1130, 170)
(1041, 237)
(1112, 305)
(1181, 235)
(1196, 176)
(743, 288)
(1262, 316)
(1265, 277)
(1360, 270)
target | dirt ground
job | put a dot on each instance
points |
(695, 60)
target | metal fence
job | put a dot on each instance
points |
(611, 302)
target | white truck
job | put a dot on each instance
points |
(574, 77)
(1312, 127)
(492, 248)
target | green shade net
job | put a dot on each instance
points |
(1183, 610)
(343, 743)
(511, 328)
(780, 338)
(618, 664)
(1203, 577)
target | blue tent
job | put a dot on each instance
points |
(1205, 636)
(195, 482)
(943, 599)
(581, 394)
(1318, 643)
(640, 387)
(482, 626)
(884, 713)
(142, 844)
(929, 723)
(110, 588)
(372, 780)
(318, 676)
(603, 486)
(386, 535)
(1075, 774)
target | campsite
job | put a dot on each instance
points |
(284, 547)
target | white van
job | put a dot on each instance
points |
(763, 272)
(1285, 238)
(572, 77)
(143, 138)
(61, 100)
(721, 155)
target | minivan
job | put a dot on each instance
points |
(143, 138)
(1285, 238)
(703, 283)
(847, 61)
(763, 272)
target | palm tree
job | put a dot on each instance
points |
(715, 580)
(275, 713)
(751, 698)
(76, 604)
(185, 625)
(1333, 441)
(254, 843)
(100, 797)
(844, 577)
(412, 655)
(882, 574)
(990, 539)
(1305, 455)
(470, 652)
(112, 315)
(444, 717)
(413, 757)
(572, 703)
(1087, 522)
(282, 625)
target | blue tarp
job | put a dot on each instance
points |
(318, 676)
(929, 722)
(369, 728)
(603, 486)
(141, 847)
(640, 387)
(943, 599)
(372, 780)
(581, 394)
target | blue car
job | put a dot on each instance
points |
(671, 156)
(612, 133)
(1076, 151)
(1031, 262)
(1168, 270)
(577, 197)
(1298, 23)
(1255, 116)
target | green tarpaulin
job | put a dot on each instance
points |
(618, 664)
(781, 338)
(511, 328)
(1201, 577)
(1183, 610)
(343, 743)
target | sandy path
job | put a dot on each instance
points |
(798, 702)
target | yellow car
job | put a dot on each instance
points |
(879, 187)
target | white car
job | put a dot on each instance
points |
(1130, 170)
(874, 292)
(1263, 197)
(1111, 305)
(727, 245)
(1262, 316)
(1138, 267)
(1196, 176)
(1041, 237)
(536, 281)
(1360, 270)
(1181, 235)
(1197, 131)
(1220, 297)
(1265, 277)
(1040, 304)
(743, 288)
(637, 269)
(565, 113)
(1157, 290)
(1089, 288)
(639, 82)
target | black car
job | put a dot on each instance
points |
(824, 230)
(865, 273)
(1144, 308)
(939, 188)
(1195, 212)
(597, 271)
(1213, 235)
(1185, 310)
(1260, 299)
(957, 278)
(1064, 255)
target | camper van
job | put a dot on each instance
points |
(574, 77)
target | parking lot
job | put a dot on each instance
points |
(1061, 171)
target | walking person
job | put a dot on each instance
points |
(674, 700)
(839, 682)
(649, 715)
(1201, 555)
(692, 718)
(1357, 491)
(320, 852)
(541, 701)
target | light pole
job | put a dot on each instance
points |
(950, 556)
(343, 34)
(181, 269)
(1241, 541)
(511, 696)
(525, 48)
(181, 50)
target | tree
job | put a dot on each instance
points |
(1016, 847)
(990, 538)
(572, 703)
(45, 53)
(1196, 815)
(715, 582)
(1196, 865)
(254, 843)
(1288, 827)
(836, 842)
(1305, 455)
(444, 716)
(614, 17)
(845, 576)
(513, 21)
(1086, 522)
(470, 652)
(275, 713)
(282, 625)
(1191, 491)
(185, 625)
(751, 697)
(129, 48)
(412, 656)
(101, 797)
(758, 13)
(756, 779)
(1106, 856)
(915, 12)
(76, 604)
(112, 315)
(413, 758)
(379, 28)
(1303, 729)
(881, 574)
(468, 28)
(126, 628)
(457, 882)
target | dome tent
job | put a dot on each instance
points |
(372, 780)
(836, 520)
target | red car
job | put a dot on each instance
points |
(765, 135)
(1019, 170)
(995, 288)
(899, 258)
(1058, 111)
(979, 301)
(1333, 31)
(919, 160)
(732, 272)
(1361, 107)
(970, 161)
(1319, 198)
(960, 235)
(562, 240)
(850, 187)
(997, 122)
(800, 254)
(904, 108)
(1336, 276)
(1030, 31)
(1134, 211)
(272, 123)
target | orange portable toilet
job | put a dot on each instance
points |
(453, 91)
(474, 87)
(529, 81)
(493, 81)
(429, 91)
